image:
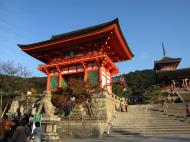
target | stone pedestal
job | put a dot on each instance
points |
(49, 125)
(77, 113)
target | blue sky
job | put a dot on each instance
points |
(144, 23)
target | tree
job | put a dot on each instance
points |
(118, 90)
(153, 95)
(9, 68)
(78, 89)
(139, 81)
(12, 76)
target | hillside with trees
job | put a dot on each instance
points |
(15, 78)
(140, 85)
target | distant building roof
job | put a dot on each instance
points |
(166, 60)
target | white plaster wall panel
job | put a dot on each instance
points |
(65, 70)
(108, 85)
(103, 72)
(72, 69)
(103, 81)
(80, 69)
(95, 67)
(109, 89)
(103, 69)
(90, 66)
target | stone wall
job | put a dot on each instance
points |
(81, 124)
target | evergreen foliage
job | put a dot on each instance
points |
(139, 81)
(153, 95)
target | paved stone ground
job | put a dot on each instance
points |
(135, 138)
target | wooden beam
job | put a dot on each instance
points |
(98, 63)
(46, 70)
(58, 68)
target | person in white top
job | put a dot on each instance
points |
(37, 132)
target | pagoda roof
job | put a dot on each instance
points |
(173, 74)
(66, 40)
(166, 60)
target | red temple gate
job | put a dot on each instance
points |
(90, 52)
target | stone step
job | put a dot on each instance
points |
(176, 111)
(150, 129)
(148, 134)
(161, 115)
(151, 126)
(172, 118)
(180, 131)
(137, 119)
(150, 123)
(147, 118)
(143, 121)
(156, 127)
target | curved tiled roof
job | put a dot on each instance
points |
(167, 60)
(67, 40)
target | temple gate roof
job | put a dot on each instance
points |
(68, 41)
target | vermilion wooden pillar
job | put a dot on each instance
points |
(60, 80)
(48, 83)
(100, 77)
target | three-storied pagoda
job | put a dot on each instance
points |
(89, 53)
(168, 76)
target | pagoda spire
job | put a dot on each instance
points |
(164, 52)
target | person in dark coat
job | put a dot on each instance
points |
(21, 133)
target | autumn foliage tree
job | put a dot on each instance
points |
(76, 88)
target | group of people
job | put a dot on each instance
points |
(24, 130)
(124, 105)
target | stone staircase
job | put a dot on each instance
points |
(183, 94)
(146, 120)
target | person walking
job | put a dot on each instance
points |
(21, 133)
(121, 106)
(164, 107)
(37, 132)
(126, 105)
